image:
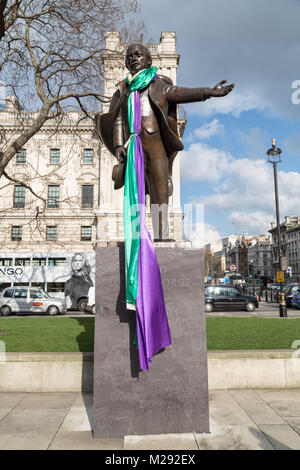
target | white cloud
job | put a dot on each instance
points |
(247, 184)
(288, 188)
(209, 129)
(256, 222)
(203, 163)
(235, 103)
(243, 188)
(202, 234)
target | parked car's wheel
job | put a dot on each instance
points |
(250, 306)
(5, 311)
(209, 307)
(53, 310)
(81, 304)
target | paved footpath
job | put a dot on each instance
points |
(239, 419)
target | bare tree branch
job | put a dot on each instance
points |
(8, 16)
(14, 180)
(51, 57)
(2, 21)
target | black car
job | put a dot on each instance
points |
(289, 292)
(227, 298)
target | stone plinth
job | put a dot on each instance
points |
(172, 397)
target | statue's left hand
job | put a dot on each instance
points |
(220, 90)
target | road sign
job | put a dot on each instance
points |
(284, 263)
(280, 276)
(227, 280)
(232, 267)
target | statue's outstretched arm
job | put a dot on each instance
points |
(178, 94)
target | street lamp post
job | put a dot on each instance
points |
(251, 265)
(274, 158)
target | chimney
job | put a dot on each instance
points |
(12, 104)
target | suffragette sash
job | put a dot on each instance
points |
(143, 282)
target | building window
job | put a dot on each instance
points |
(6, 262)
(53, 196)
(88, 156)
(55, 287)
(51, 233)
(38, 262)
(21, 156)
(87, 196)
(57, 261)
(38, 284)
(86, 233)
(22, 262)
(19, 196)
(54, 155)
(16, 233)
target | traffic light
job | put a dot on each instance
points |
(250, 269)
(289, 272)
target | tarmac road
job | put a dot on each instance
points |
(266, 310)
(71, 313)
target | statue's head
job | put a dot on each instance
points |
(138, 58)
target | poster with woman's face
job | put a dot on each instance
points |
(80, 287)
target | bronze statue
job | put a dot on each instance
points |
(159, 133)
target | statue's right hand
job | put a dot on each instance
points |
(120, 153)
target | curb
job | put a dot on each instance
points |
(73, 372)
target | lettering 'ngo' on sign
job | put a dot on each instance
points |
(232, 267)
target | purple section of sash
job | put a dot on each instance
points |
(153, 331)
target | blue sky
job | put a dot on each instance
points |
(256, 45)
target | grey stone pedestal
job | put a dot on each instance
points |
(172, 397)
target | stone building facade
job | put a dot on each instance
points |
(61, 165)
(290, 245)
(260, 253)
(214, 260)
(243, 250)
(71, 171)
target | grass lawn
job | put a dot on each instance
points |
(251, 333)
(47, 334)
(77, 334)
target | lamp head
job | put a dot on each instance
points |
(274, 153)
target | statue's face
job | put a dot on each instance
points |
(136, 59)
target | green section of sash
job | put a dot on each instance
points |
(142, 79)
(131, 207)
(131, 218)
